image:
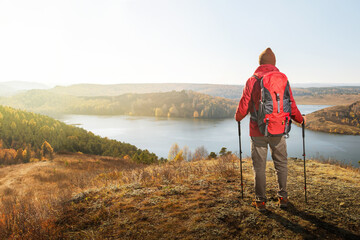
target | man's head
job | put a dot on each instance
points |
(267, 57)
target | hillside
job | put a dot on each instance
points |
(184, 104)
(25, 135)
(89, 197)
(344, 119)
(96, 90)
(15, 87)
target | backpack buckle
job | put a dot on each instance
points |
(266, 128)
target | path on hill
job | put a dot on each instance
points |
(12, 177)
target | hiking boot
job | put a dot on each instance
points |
(261, 206)
(283, 202)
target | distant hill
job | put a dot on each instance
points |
(203, 100)
(14, 87)
(93, 90)
(343, 119)
(25, 135)
(220, 90)
(305, 95)
(183, 104)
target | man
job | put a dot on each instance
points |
(259, 143)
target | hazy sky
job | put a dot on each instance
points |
(202, 41)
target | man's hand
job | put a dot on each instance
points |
(304, 120)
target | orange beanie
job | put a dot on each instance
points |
(267, 57)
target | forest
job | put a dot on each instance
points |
(27, 136)
(93, 90)
(183, 104)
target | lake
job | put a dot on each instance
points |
(158, 134)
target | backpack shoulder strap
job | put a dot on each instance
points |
(257, 78)
(255, 114)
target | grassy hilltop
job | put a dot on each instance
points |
(90, 197)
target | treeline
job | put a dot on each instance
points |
(183, 104)
(25, 135)
(216, 90)
(314, 91)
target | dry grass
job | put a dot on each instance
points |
(32, 194)
(202, 200)
(105, 198)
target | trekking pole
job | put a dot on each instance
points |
(241, 176)
(303, 135)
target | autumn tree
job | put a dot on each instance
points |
(200, 153)
(179, 157)
(173, 111)
(174, 150)
(158, 112)
(196, 114)
(186, 153)
(46, 149)
(27, 154)
(19, 155)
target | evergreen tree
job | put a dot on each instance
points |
(224, 151)
(212, 155)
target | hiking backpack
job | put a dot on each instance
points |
(274, 112)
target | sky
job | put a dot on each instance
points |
(68, 42)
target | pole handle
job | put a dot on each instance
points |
(303, 127)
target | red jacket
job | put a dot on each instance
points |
(251, 95)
